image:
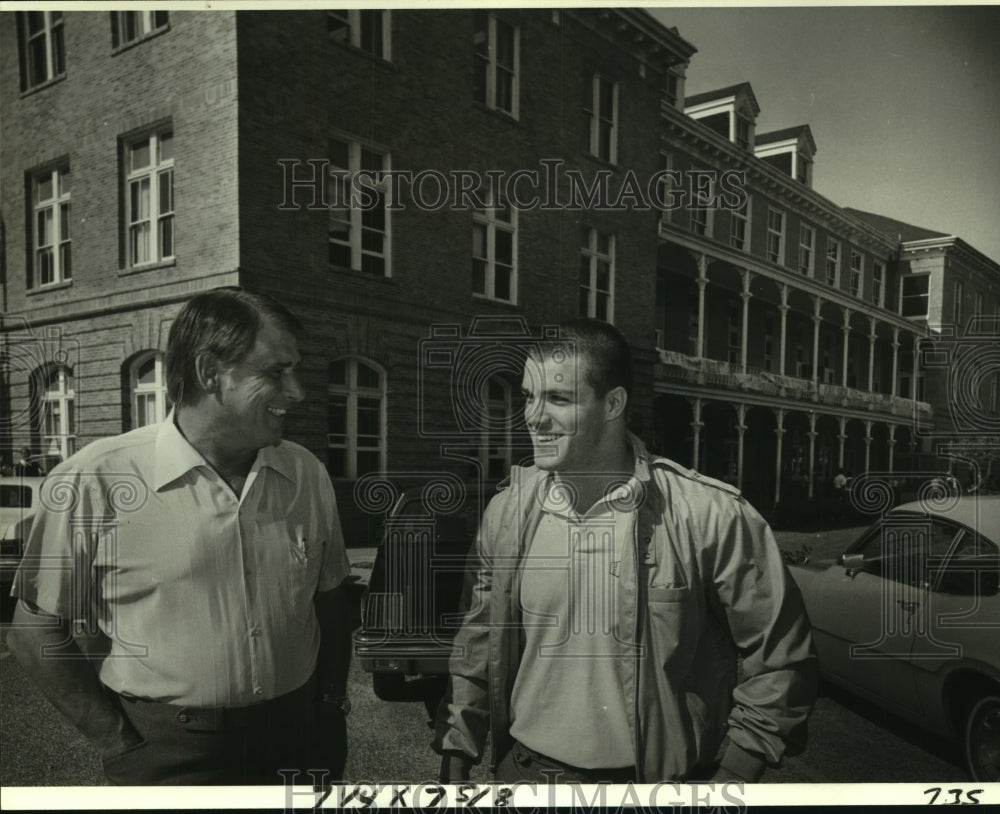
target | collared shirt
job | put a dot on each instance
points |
(206, 596)
(568, 685)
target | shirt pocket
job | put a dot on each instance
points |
(673, 627)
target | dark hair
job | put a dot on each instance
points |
(223, 322)
(604, 347)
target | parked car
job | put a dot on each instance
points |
(18, 502)
(409, 611)
(909, 618)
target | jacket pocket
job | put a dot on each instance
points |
(668, 594)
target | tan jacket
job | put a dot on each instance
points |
(702, 585)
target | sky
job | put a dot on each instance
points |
(903, 102)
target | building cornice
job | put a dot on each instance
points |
(639, 33)
(956, 248)
(801, 198)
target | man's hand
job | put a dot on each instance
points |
(454, 768)
(57, 662)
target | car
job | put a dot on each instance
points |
(409, 612)
(908, 617)
(18, 502)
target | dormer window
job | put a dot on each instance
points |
(730, 112)
(790, 151)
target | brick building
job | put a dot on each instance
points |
(401, 177)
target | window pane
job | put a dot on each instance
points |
(373, 264)
(139, 200)
(367, 462)
(502, 282)
(43, 189)
(478, 240)
(336, 462)
(36, 21)
(368, 377)
(166, 142)
(368, 419)
(372, 161)
(340, 255)
(166, 184)
(337, 415)
(167, 237)
(603, 243)
(139, 155)
(504, 247)
(371, 32)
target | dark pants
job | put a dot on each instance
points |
(233, 746)
(522, 763)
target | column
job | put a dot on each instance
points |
(892, 445)
(747, 276)
(914, 393)
(871, 355)
(812, 451)
(702, 282)
(779, 432)
(816, 323)
(847, 345)
(741, 412)
(696, 425)
(895, 360)
(868, 445)
(784, 328)
(841, 438)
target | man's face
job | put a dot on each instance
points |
(257, 390)
(565, 417)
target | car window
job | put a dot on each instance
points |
(973, 568)
(14, 496)
(908, 550)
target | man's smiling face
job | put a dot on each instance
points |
(564, 415)
(257, 391)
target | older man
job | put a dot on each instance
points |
(179, 598)
(612, 595)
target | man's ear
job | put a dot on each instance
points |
(207, 371)
(614, 403)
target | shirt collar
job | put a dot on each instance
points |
(175, 456)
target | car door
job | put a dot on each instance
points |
(869, 614)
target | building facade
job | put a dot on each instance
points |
(427, 188)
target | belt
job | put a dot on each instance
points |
(617, 774)
(222, 719)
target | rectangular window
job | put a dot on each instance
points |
(131, 26)
(497, 56)
(956, 305)
(775, 236)
(149, 196)
(857, 273)
(367, 29)
(494, 252)
(739, 226)
(801, 169)
(42, 51)
(770, 321)
(913, 299)
(597, 274)
(52, 259)
(672, 88)
(604, 118)
(701, 208)
(807, 249)
(878, 284)
(735, 332)
(832, 263)
(358, 197)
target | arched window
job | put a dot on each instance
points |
(356, 440)
(148, 386)
(494, 448)
(57, 416)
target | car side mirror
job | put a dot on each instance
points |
(853, 563)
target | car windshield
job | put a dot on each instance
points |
(13, 496)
